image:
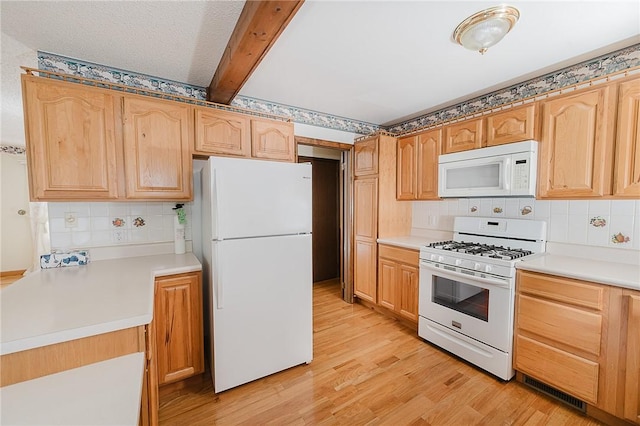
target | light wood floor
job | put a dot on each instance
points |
(367, 369)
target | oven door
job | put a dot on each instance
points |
(478, 307)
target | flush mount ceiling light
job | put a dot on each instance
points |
(485, 28)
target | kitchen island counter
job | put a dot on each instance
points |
(105, 393)
(61, 304)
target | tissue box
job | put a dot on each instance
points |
(57, 260)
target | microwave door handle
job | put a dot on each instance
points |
(459, 275)
(506, 173)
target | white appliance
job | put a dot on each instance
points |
(467, 288)
(256, 226)
(497, 171)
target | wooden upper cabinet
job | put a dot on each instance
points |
(417, 169)
(157, 148)
(463, 136)
(366, 157)
(429, 147)
(71, 140)
(222, 133)
(272, 140)
(576, 145)
(407, 168)
(513, 125)
(627, 162)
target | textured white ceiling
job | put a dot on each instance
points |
(375, 61)
(175, 40)
(381, 61)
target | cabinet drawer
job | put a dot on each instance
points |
(564, 324)
(399, 254)
(572, 374)
(566, 290)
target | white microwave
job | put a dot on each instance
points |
(499, 171)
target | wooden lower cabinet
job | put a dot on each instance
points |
(582, 338)
(178, 327)
(631, 336)
(364, 271)
(398, 280)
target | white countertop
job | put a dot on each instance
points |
(61, 304)
(104, 393)
(413, 242)
(604, 272)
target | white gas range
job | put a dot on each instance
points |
(467, 287)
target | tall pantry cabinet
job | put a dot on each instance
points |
(377, 213)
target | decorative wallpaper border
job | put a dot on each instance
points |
(601, 66)
(306, 116)
(64, 65)
(15, 150)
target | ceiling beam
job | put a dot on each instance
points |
(258, 27)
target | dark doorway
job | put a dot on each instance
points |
(326, 217)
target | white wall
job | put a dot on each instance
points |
(592, 223)
(14, 55)
(15, 234)
(316, 132)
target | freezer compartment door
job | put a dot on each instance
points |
(262, 307)
(259, 198)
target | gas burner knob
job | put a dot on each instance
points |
(488, 268)
(433, 257)
(477, 266)
(458, 262)
(440, 259)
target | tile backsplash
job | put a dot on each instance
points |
(605, 223)
(100, 224)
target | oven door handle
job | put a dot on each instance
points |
(457, 275)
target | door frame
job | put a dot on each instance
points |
(346, 209)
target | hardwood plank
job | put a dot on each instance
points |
(367, 369)
(258, 27)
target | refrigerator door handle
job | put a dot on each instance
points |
(216, 198)
(218, 280)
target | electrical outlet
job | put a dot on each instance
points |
(70, 219)
(119, 235)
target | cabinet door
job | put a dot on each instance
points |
(157, 149)
(366, 157)
(429, 146)
(178, 324)
(408, 292)
(222, 133)
(463, 136)
(71, 141)
(576, 149)
(514, 125)
(272, 140)
(364, 270)
(387, 283)
(632, 375)
(627, 163)
(365, 193)
(406, 168)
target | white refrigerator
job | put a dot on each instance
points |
(256, 223)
